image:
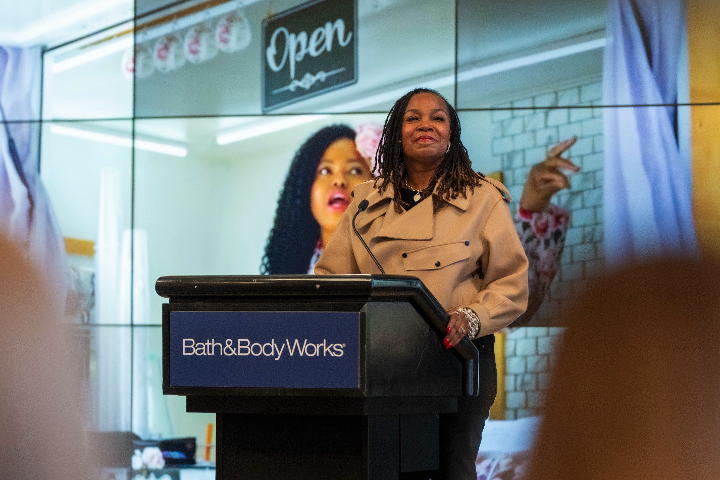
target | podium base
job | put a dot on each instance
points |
(319, 447)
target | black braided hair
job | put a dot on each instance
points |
(454, 174)
(295, 232)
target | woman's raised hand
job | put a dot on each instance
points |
(546, 178)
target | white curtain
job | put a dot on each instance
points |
(113, 343)
(122, 287)
(150, 414)
(26, 215)
(647, 185)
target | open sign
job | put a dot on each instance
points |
(308, 50)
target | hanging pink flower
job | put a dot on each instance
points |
(232, 33)
(168, 54)
(127, 64)
(137, 62)
(199, 44)
(367, 139)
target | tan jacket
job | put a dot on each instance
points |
(442, 243)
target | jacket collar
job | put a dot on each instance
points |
(418, 223)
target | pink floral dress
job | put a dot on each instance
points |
(543, 238)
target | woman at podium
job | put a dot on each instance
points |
(429, 215)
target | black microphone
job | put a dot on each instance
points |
(361, 208)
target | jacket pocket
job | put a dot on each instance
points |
(436, 257)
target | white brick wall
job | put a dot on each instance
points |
(523, 132)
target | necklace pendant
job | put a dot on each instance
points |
(417, 197)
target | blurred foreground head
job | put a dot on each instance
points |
(40, 418)
(636, 389)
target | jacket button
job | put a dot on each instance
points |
(437, 264)
(467, 243)
(404, 255)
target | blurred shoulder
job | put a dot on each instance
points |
(496, 186)
(365, 189)
(361, 190)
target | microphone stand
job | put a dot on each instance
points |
(361, 208)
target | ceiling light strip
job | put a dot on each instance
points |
(62, 20)
(92, 55)
(119, 140)
(273, 126)
(533, 59)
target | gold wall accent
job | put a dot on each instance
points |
(704, 71)
(78, 246)
(498, 175)
(497, 411)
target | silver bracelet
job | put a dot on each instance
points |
(473, 321)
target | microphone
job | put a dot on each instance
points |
(361, 208)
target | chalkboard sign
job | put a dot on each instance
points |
(308, 50)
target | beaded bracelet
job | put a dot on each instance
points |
(473, 321)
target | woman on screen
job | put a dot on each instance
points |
(317, 191)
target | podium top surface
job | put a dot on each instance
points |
(285, 285)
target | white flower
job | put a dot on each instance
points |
(152, 457)
(136, 461)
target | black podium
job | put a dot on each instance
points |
(314, 377)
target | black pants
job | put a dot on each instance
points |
(461, 432)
